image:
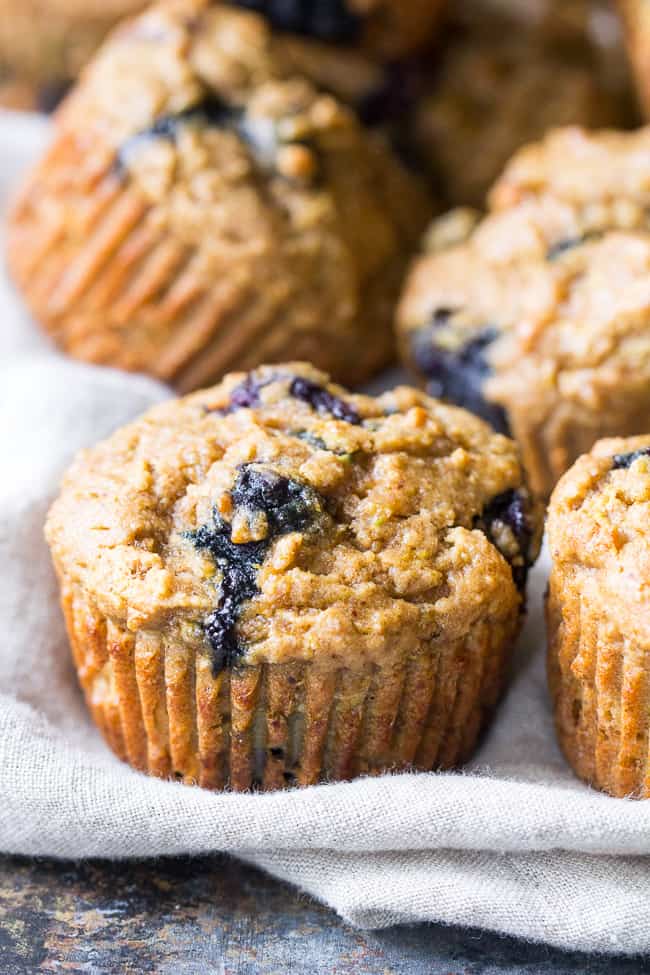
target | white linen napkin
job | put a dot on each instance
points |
(514, 844)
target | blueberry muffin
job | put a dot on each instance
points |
(274, 581)
(196, 211)
(598, 613)
(507, 72)
(539, 321)
(47, 42)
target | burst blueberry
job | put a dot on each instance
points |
(322, 401)
(258, 134)
(288, 505)
(458, 374)
(325, 20)
(623, 461)
(511, 510)
(570, 243)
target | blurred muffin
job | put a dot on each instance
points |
(48, 41)
(197, 212)
(273, 581)
(17, 95)
(539, 320)
(508, 71)
(598, 615)
(341, 45)
(360, 50)
(636, 19)
(387, 29)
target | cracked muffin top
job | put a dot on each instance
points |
(598, 527)
(539, 317)
(276, 516)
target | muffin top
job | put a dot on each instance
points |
(598, 531)
(276, 516)
(599, 174)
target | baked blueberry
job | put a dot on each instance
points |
(324, 20)
(287, 506)
(508, 522)
(323, 401)
(623, 461)
(457, 372)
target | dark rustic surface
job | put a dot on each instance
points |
(198, 917)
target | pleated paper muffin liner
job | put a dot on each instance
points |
(122, 291)
(600, 685)
(273, 725)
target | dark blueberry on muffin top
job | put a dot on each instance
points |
(506, 520)
(322, 401)
(457, 371)
(623, 461)
(324, 20)
(287, 506)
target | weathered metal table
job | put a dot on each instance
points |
(213, 915)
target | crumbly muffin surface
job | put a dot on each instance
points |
(538, 320)
(598, 528)
(277, 517)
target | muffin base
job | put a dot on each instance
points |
(600, 685)
(273, 725)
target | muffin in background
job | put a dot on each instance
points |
(198, 212)
(17, 96)
(504, 73)
(636, 18)
(273, 581)
(360, 50)
(387, 29)
(348, 47)
(47, 42)
(539, 320)
(598, 615)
